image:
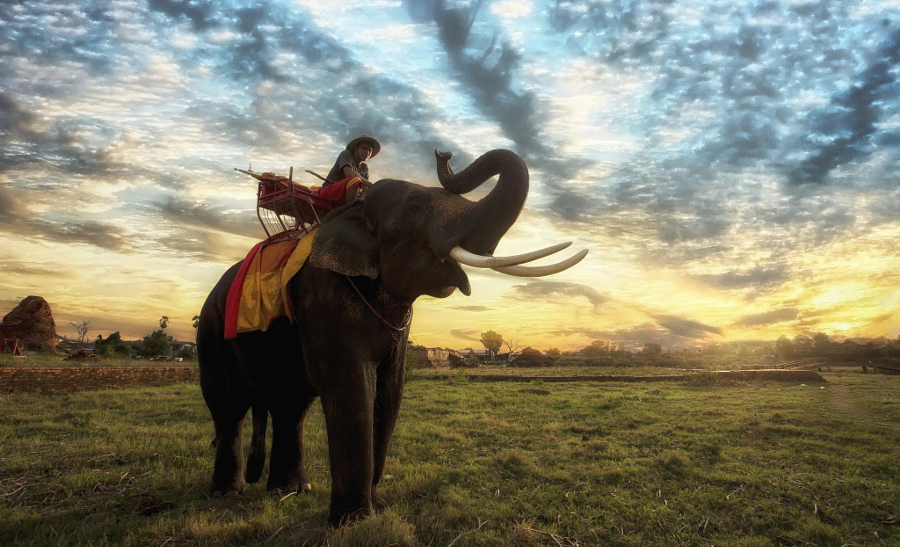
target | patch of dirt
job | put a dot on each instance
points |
(840, 399)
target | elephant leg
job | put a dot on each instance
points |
(387, 407)
(257, 458)
(349, 422)
(228, 472)
(287, 466)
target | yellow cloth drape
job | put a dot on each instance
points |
(264, 296)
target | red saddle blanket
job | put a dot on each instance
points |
(258, 295)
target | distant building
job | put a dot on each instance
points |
(73, 345)
(178, 345)
(475, 355)
(433, 357)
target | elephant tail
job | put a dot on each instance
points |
(257, 458)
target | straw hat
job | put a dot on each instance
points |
(376, 148)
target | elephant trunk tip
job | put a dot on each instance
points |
(445, 156)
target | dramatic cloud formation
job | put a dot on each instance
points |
(732, 166)
(556, 291)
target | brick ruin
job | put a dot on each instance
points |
(32, 323)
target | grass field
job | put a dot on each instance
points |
(479, 463)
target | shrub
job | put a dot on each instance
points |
(156, 343)
(112, 346)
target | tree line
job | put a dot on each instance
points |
(155, 344)
(798, 347)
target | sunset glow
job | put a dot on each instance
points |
(732, 167)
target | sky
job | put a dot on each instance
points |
(731, 166)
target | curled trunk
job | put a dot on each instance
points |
(479, 228)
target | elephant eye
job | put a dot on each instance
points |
(413, 209)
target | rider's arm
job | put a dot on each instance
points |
(351, 172)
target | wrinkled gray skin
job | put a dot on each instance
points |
(394, 246)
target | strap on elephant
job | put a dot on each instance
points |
(399, 329)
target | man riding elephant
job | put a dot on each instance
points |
(349, 177)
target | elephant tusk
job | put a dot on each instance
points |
(471, 259)
(539, 271)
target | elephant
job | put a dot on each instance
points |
(352, 306)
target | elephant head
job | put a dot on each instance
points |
(415, 237)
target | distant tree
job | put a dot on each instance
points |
(821, 343)
(720, 349)
(597, 348)
(491, 342)
(618, 348)
(784, 347)
(164, 322)
(188, 353)
(156, 343)
(82, 329)
(513, 345)
(112, 346)
(553, 353)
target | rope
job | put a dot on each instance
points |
(400, 329)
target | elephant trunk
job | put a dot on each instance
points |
(480, 228)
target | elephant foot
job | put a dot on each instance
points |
(228, 490)
(337, 519)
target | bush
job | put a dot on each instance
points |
(112, 346)
(156, 343)
(188, 353)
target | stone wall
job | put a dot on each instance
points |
(430, 357)
(72, 378)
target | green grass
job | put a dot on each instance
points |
(479, 463)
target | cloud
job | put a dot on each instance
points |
(556, 291)
(11, 207)
(589, 333)
(16, 220)
(668, 331)
(472, 308)
(687, 328)
(199, 13)
(487, 67)
(759, 277)
(19, 268)
(466, 334)
(80, 36)
(768, 318)
(14, 118)
(88, 232)
(732, 94)
(185, 212)
(845, 131)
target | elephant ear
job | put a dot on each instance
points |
(346, 243)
